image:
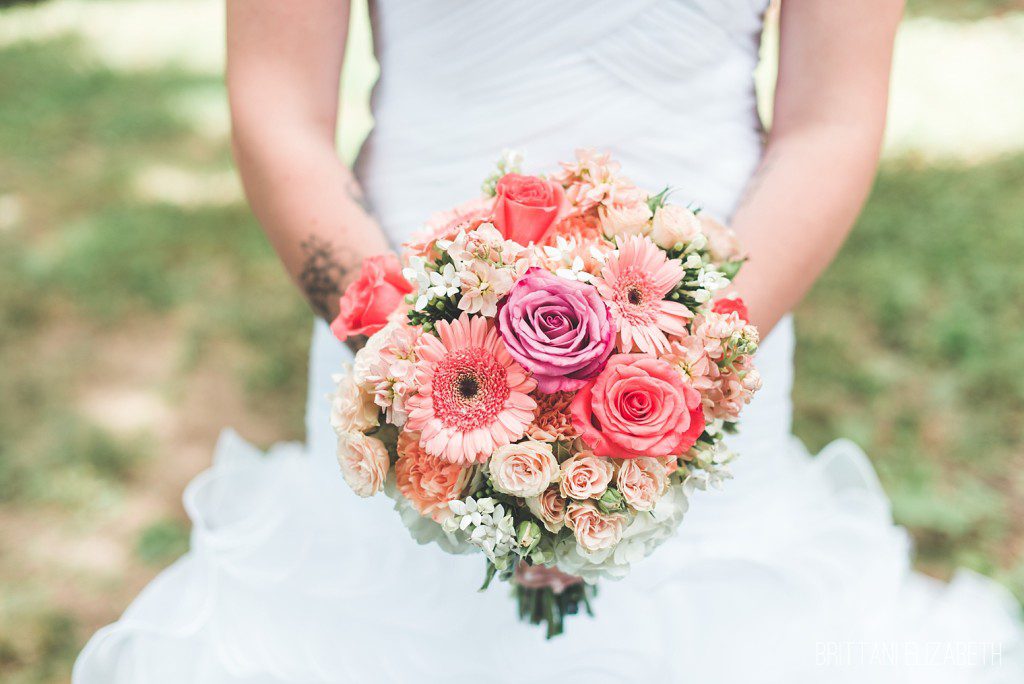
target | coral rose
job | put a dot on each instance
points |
(428, 482)
(364, 462)
(642, 481)
(560, 330)
(526, 206)
(594, 530)
(523, 469)
(728, 305)
(367, 303)
(586, 476)
(638, 406)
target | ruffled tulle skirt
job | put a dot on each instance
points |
(290, 578)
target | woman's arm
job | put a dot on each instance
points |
(822, 151)
(284, 63)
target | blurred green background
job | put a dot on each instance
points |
(141, 309)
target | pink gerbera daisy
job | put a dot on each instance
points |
(634, 283)
(473, 397)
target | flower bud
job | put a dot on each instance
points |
(611, 501)
(528, 536)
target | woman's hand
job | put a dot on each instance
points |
(822, 151)
(283, 70)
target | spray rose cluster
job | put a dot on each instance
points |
(550, 372)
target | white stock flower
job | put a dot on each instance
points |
(486, 524)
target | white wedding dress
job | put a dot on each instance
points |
(793, 573)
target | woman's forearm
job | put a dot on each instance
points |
(312, 210)
(797, 210)
(284, 61)
(822, 153)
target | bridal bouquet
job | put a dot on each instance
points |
(549, 374)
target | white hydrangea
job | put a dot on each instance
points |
(709, 468)
(645, 532)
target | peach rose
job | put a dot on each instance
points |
(352, 409)
(722, 241)
(642, 481)
(594, 530)
(376, 293)
(549, 507)
(526, 206)
(364, 463)
(638, 406)
(674, 225)
(523, 469)
(586, 476)
(428, 482)
(629, 219)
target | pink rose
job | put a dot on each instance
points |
(549, 507)
(367, 303)
(526, 206)
(364, 463)
(594, 530)
(428, 482)
(638, 406)
(586, 476)
(560, 330)
(642, 481)
(523, 469)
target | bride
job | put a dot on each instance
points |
(794, 573)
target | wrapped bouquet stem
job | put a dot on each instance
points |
(550, 372)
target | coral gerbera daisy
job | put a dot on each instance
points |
(634, 282)
(473, 397)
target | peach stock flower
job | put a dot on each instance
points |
(364, 462)
(642, 481)
(473, 397)
(586, 476)
(594, 530)
(523, 469)
(552, 419)
(428, 482)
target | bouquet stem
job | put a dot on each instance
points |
(550, 608)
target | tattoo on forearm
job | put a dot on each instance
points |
(359, 198)
(323, 275)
